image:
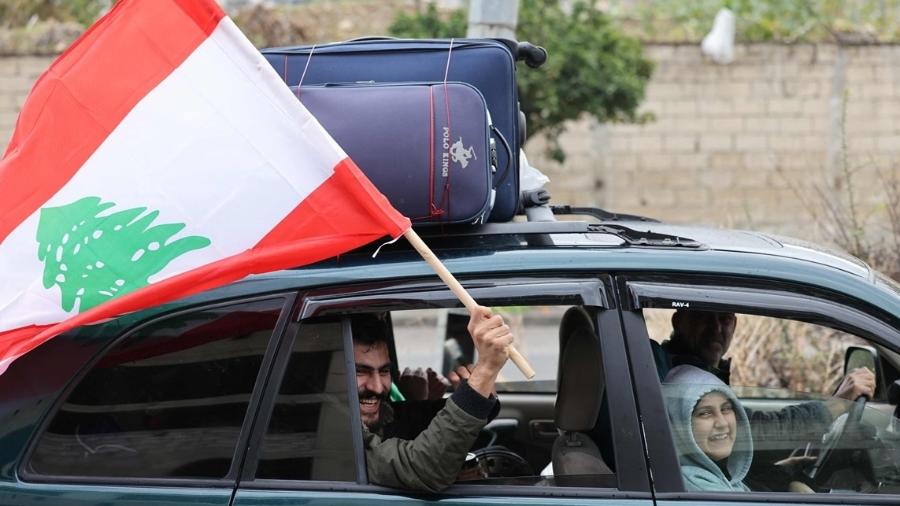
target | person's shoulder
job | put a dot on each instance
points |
(699, 479)
(370, 439)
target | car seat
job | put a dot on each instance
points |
(581, 385)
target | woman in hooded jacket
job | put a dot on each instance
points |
(711, 430)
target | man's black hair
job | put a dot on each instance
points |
(370, 329)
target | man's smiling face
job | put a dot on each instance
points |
(373, 380)
(706, 334)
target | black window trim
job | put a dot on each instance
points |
(650, 402)
(769, 302)
(628, 440)
(436, 294)
(264, 411)
(230, 479)
(362, 474)
(649, 292)
(592, 288)
(267, 404)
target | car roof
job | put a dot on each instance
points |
(614, 243)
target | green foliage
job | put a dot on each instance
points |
(19, 12)
(429, 24)
(593, 68)
(769, 20)
(94, 257)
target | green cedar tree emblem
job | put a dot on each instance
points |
(93, 258)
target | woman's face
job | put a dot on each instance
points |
(714, 425)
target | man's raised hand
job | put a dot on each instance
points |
(492, 339)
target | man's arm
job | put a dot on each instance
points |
(431, 461)
(811, 419)
(859, 381)
(805, 421)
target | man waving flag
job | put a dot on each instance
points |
(160, 155)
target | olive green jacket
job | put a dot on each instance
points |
(432, 460)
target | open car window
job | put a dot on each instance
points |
(517, 446)
(437, 338)
(319, 421)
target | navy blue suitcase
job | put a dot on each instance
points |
(486, 64)
(425, 146)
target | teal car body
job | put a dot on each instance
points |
(637, 265)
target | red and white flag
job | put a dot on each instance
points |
(159, 156)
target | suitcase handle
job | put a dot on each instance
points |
(533, 56)
(503, 141)
(370, 37)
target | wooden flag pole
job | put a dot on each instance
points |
(461, 293)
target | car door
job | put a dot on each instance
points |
(787, 356)
(307, 442)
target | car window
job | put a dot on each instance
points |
(799, 358)
(167, 401)
(519, 446)
(774, 442)
(437, 338)
(309, 435)
(759, 409)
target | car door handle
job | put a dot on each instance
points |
(543, 429)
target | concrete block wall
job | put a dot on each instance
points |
(17, 76)
(753, 144)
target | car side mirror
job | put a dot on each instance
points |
(860, 356)
(864, 356)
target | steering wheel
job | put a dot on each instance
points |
(825, 465)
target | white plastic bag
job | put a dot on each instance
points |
(529, 177)
(719, 42)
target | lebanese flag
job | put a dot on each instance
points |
(159, 156)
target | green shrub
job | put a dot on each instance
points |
(14, 13)
(846, 21)
(593, 68)
(429, 24)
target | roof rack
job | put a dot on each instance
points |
(600, 214)
(537, 233)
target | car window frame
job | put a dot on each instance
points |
(230, 480)
(590, 289)
(270, 398)
(808, 304)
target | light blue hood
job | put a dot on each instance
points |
(683, 387)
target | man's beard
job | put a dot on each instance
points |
(385, 412)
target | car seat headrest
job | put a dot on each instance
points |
(580, 379)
